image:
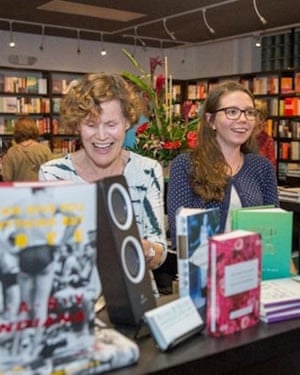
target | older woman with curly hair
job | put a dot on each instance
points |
(101, 107)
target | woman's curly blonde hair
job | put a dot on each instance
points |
(84, 99)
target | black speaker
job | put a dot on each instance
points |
(125, 278)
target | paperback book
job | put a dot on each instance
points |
(234, 276)
(280, 299)
(194, 226)
(275, 227)
(49, 280)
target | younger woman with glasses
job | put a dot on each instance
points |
(222, 171)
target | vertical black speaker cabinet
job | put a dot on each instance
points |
(125, 279)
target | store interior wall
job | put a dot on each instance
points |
(234, 56)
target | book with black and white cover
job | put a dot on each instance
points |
(49, 282)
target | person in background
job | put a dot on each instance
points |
(130, 136)
(101, 107)
(265, 143)
(22, 161)
(222, 171)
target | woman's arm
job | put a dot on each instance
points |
(180, 193)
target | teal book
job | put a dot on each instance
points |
(275, 227)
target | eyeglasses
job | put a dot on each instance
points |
(234, 113)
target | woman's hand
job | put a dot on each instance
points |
(153, 252)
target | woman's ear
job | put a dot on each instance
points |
(209, 118)
(127, 125)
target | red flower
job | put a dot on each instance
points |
(160, 83)
(171, 145)
(142, 128)
(191, 139)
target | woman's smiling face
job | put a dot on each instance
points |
(103, 137)
(233, 132)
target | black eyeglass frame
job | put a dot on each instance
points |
(240, 111)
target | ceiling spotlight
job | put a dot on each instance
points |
(261, 18)
(103, 50)
(78, 42)
(42, 38)
(257, 41)
(209, 28)
(170, 33)
(138, 39)
(12, 42)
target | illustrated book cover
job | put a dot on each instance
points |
(193, 228)
(49, 278)
(275, 226)
(234, 276)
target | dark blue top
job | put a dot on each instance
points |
(255, 184)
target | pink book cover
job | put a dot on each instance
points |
(234, 276)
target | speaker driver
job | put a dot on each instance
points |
(133, 259)
(119, 206)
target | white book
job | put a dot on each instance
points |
(279, 292)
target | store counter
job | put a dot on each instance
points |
(265, 349)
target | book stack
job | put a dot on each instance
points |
(291, 194)
(280, 299)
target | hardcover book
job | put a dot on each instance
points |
(49, 280)
(193, 227)
(275, 226)
(233, 289)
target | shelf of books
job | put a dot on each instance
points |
(35, 93)
(38, 93)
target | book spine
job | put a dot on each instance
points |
(182, 257)
(213, 286)
(183, 266)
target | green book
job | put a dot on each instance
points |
(275, 227)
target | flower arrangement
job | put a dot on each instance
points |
(164, 136)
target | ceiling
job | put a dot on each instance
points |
(153, 23)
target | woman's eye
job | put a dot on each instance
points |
(232, 112)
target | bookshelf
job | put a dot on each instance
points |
(38, 93)
(35, 93)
